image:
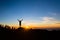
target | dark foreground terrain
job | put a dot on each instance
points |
(32, 34)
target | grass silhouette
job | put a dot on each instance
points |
(6, 33)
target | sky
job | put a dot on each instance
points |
(35, 13)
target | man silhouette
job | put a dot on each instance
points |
(20, 22)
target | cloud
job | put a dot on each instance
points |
(58, 23)
(53, 14)
(48, 20)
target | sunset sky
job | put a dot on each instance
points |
(35, 13)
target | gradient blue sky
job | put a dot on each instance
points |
(29, 10)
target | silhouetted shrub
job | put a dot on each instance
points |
(7, 33)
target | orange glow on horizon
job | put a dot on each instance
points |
(38, 26)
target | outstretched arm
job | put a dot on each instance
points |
(20, 20)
